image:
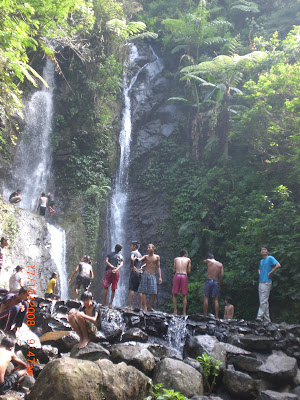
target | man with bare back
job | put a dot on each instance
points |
(6, 356)
(148, 283)
(213, 284)
(182, 267)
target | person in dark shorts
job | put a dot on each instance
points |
(15, 197)
(84, 320)
(6, 356)
(182, 267)
(42, 207)
(84, 277)
(135, 274)
(13, 308)
(114, 262)
(213, 284)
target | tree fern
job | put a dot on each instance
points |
(245, 6)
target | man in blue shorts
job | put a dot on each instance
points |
(213, 284)
(267, 266)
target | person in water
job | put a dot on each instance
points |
(182, 267)
(84, 320)
(148, 283)
(229, 308)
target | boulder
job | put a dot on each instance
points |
(198, 345)
(91, 352)
(278, 368)
(68, 379)
(63, 340)
(271, 395)
(244, 363)
(239, 384)
(121, 382)
(47, 353)
(135, 355)
(135, 334)
(256, 343)
(179, 376)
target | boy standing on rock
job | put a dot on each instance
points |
(213, 283)
(182, 267)
(148, 283)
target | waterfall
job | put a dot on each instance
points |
(177, 332)
(32, 172)
(58, 255)
(119, 196)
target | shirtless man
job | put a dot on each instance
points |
(229, 308)
(182, 267)
(148, 283)
(6, 356)
(212, 285)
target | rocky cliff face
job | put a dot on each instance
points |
(30, 244)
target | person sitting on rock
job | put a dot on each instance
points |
(16, 280)
(6, 356)
(84, 320)
(13, 309)
(15, 197)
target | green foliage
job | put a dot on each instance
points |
(211, 369)
(8, 222)
(158, 392)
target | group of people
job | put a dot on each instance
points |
(45, 201)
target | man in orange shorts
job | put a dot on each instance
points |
(114, 261)
(182, 267)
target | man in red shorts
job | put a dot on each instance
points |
(182, 267)
(114, 261)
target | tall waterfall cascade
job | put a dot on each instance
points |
(32, 173)
(33, 165)
(118, 233)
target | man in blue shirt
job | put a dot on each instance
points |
(267, 266)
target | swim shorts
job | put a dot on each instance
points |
(180, 282)
(134, 280)
(148, 284)
(211, 288)
(90, 328)
(82, 281)
(9, 382)
(111, 279)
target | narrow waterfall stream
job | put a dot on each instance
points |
(118, 232)
(32, 173)
(33, 166)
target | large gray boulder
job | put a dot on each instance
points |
(73, 379)
(135, 355)
(92, 352)
(179, 376)
(239, 384)
(245, 363)
(271, 395)
(68, 379)
(198, 345)
(122, 382)
(278, 368)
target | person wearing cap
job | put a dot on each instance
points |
(16, 281)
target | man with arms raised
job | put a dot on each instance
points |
(182, 267)
(213, 284)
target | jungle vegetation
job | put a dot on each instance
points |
(231, 171)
